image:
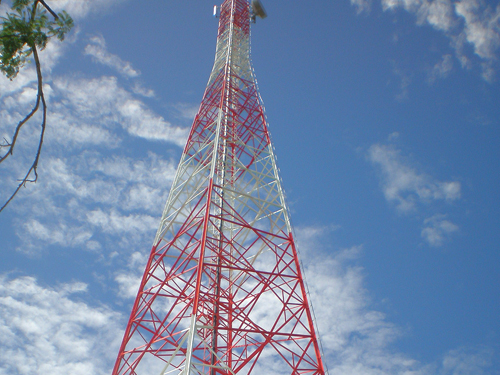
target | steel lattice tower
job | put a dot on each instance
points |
(223, 292)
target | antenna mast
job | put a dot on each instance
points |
(223, 292)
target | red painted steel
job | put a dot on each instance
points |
(223, 292)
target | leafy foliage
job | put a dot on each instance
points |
(26, 28)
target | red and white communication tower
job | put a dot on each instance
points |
(223, 292)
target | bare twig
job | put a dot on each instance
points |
(48, 8)
(40, 98)
(10, 145)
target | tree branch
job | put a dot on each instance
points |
(11, 145)
(64, 24)
(40, 98)
(48, 8)
(33, 10)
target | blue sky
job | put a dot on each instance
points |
(385, 120)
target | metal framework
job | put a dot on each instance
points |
(223, 292)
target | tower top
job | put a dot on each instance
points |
(258, 9)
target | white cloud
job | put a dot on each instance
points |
(97, 50)
(309, 239)
(466, 21)
(437, 13)
(80, 9)
(357, 339)
(140, 90)
(437, 229)
(413, 191)
(482, 25)
(405, 80)
(83, 114)
(441, 69)
(393, 136)
(362, 5)
(97, 179)
(62, 177)
(130, 195)
(86, 119)
(129, 279)
(3, 9)
(60, 234)
(84, 111)
(44, 330)
(405, 185)
(187, 110)
(8, 87)
(49, 330)
(50, 56)
(152, 170)
(115, 223)
(128, 284)
(103, 101)
(488, 72)
(464, 361)
(66, 129)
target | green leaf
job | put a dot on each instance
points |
(23, 30)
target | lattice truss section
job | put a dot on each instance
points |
(223, 292)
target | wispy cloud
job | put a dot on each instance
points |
(437, 13)
(103, 101)
(89, 117)
(406, 186)
(357, 338)
(140, 90)
(362, 5)
(80, 9)
(481, 26)
(467, 361)
(115, 223)
(97, 50)
(441, 69)
(187, 110)
(59, 234)
(44, 330)
(404, 81)
(27, 79)
(129, 279)
(437, 229)
(482, 31)
(412, 191)
(467, 21)
(53, 329)
(71, 187)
